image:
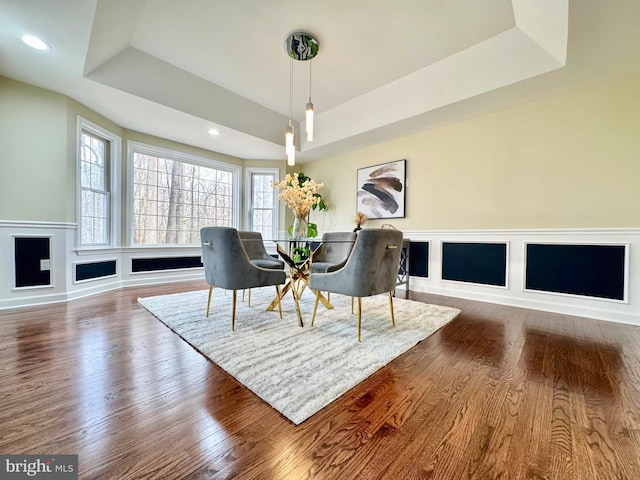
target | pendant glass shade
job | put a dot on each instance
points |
(288, 136)
(290, 148)
(309, 121)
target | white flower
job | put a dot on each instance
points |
(300, 198)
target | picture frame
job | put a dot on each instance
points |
(381, 190)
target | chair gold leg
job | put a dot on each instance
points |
(329, 297)
(249, 302)
(359, 316)
(351, 305)
(393, 320)
(279, 300)
(233, 311)
(209, 300)
(315, 307)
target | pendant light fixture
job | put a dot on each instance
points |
(309, 112)
(301, 46)
(289, 136)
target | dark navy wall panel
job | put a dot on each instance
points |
(419, 259)
(164, 263)
(484, 263)
(88, 271)
(28, 253)
(590, 270)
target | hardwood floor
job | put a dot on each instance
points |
(498, 393)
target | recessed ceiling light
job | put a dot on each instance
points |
(35, 42)
(214, 132)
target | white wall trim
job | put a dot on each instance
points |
(32, 300)
(627, 311)
(526, 231)
(547, 305)
(38, 225)
(162, 279)
(64, 257)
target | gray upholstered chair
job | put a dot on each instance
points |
(254, 246)
(333, 252)
(372, 268)
(227, 265)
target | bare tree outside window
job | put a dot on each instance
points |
(172, 200)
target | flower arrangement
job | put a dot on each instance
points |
(300, 193)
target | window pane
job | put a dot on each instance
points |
(262, 219)
(262, 203)
(173, 200)
(94, 195)
(97, 146)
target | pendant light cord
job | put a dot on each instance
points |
(310, 76)
(290, 89)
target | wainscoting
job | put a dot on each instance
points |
(71, 274)
(584, 272)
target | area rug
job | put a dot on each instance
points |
(297, 370)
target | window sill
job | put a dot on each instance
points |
(97, 250)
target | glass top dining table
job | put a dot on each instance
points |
(298, 257)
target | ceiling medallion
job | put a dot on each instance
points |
(301, 46)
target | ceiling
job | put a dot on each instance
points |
(384, 69)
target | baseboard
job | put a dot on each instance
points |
(77, 294)
(32, 301)
(562, 307)
(158, 280)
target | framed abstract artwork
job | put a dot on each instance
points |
(381, 190)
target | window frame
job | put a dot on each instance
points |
(114, 162)
(249, 172)
(147, 149)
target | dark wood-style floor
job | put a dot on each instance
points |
(499, 393)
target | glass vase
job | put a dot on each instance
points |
(299, 230)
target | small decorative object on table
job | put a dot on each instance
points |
(359, 219)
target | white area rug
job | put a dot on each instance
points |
(297, 371)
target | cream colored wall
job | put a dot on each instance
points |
(33, 153)
(569, 161)
(38, 136)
